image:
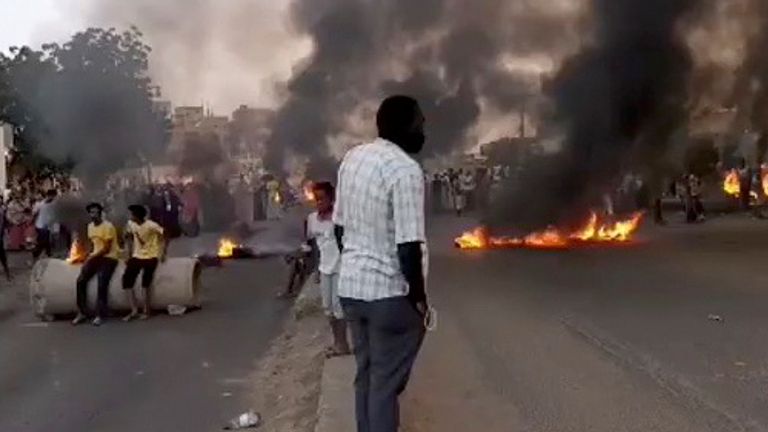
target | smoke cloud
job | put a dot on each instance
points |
(218, 53)
(341, 57)
(449, 54)
(620, 101)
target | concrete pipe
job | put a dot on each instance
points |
(53, 281)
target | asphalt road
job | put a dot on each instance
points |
(599, 339)
(186, 373)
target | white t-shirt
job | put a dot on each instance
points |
(45, 214)
(322, 232)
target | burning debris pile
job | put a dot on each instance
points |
(595, 230)
(732, 184)
(229, 249)
(78, 252)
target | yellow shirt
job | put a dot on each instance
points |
(147, 239)
(100, 235)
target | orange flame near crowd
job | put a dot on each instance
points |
(226, 248)
(732, 184)
(764, 179)
(309, 194)
(593, 231)
(77, 252)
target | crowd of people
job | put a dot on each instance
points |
(465, 189)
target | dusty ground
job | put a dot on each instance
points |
(286, 384)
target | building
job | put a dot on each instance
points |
(188, 117)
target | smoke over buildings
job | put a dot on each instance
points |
(456, 56)
(449, 54)
(622, 77)
(620, 101)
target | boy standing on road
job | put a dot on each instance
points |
(101, 262)
(149, 247)
(320, 231)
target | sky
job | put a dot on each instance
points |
(31, 22)
(241, 50)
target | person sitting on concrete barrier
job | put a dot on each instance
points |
(149, 246)
(320, 232)
(101, 262)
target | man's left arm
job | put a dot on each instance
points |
(338, 213)
(410, 236)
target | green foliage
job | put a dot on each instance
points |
(87, 102)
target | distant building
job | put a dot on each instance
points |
(188, 117)
(217, 125)
(512, 151)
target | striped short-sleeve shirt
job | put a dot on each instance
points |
(380, 204)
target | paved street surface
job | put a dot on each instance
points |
(601, 339)
(184, 373)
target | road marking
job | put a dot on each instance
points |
(35, 325)
(235, 381)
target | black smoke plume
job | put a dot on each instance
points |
(620, 102)
(449, 54)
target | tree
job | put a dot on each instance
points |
(88, 102)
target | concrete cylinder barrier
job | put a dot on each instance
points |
(52, 286)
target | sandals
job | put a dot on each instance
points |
(333, 351)
(130, 317)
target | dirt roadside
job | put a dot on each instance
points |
(286, 381)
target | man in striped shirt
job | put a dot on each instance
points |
(379, 218)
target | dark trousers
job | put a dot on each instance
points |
(42, 243)
(387, 335)
(3, 255)
(103, 268)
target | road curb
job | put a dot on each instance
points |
(336, 408)
(336, 405)
(308, 302)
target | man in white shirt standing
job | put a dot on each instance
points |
(379, 218)
(45, 215)
(320, 233)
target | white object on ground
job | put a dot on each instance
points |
(176, 310)
(250, 419)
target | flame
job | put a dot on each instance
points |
(278, 198)
(549, 238)
(309, 194)
(764, 178)
(594, 230)
(732, 184)
(77, 252)
(226, 248)
(475, 239)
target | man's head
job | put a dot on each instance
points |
(50, 195)
(138, 213)
(401, 121)
(95, 212)
(325, 195)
